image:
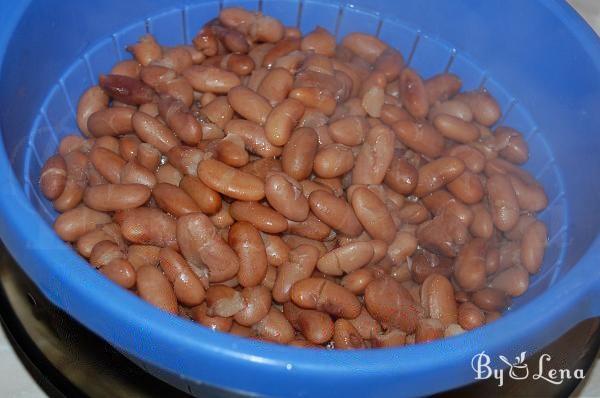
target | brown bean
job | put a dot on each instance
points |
(146, 50)
(357, 280)
(346, 259)
(156, 289)
(110, 121)
(128, 147)
(530, 197)
(74, 223)
(456, 129)
(182, 122)
(503, 202)
(262, 217)
(485, 108)
(284, 194)
(299, 265)
(148, 226)
(391, 338)
(276, 249)
(148, 156)
(437, 173)
(152, 131)
(186, 159)
(511, 145)
(208, 201)
(311, 228)
(104, 252)
(128, 67)
(269, 280)
(470, 316)
(282, 119)
(320, 41)
(390, 63)
(128, 90)
(223, 301)
(93, 100)
(299, 153)
(155, 75)
(112, 197)
(218, 111)
(53, 177)
(324, 295)
(490, 299)
(199, 314)
(469, 268)
(533, 244)
(420, 137)
(391, 304)
(401, 176)
(413, 213)
(349, 130)
(231, 151)
(335, 212)
(188, 288)
(254, 137)
(249, 104)
(346, 337)
(222, 219)
(121, 272)
(425, 264)
(441, 87)
(482, 225)
(365, 46)
(413, 93)
(201, 245)
(437, 298)
(316, 326)
(276, 85)
(374, 157)
(110, 232)
(247, 243)
(314, 97)
(333, 160)
(174, 200)
(454, 108)
(211, 79)
(429, 330)
(473, 159)
(229, 181)
(257, 301)
(168, 174)
(274, 327)
(176, 58)
(72, 142)
(467, 188)
(373, 215)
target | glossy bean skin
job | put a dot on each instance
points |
(345, 336)
(276, 86)
(284, 194)
(262, 217)
(324, 295)
(489, 299)
(357, 280)
(146, 50)
(254, 137)
(208, 200)
(249, 104)
(485, 108)
(437, 298)
(467, 188)
(316, 326)
(218, 323)
(246, 242)
(349, 130)
(346, 259)
(375, 156)
(182, 122)
(530, 197)
(436, 174)
(147, 226)
(201, 245)
(174, 200)
(429, 330)
(223, 301)
(110, 122)
(456, 129)
(503, 202)
(231, 151)
(230, 181)
(140, 255)
(113, 197)
(121, 272)
(74, 223)
(335, 212)
(311, 228)
(300, 264)
(469, 268)
(104, 252)
(156, 289)
(299, 153)
(276, 249)
(401, 176)
(420, 137)
(413, 93)
(107, 163)
(373, 215)
(470, 316)
(257, 304)
(93, 100)
(152, 131)
(187, 287)
(441, 87)
(365, 46)
(390, 304)
(110, 232)
(211, 79)
(482, 225)
(533, 245)
(53, 177)
(282, 120)
(128, 90)
(274, 327)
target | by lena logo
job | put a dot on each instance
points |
(519, 370)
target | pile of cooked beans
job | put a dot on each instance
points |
(298, 190)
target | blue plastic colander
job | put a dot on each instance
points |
(537, 57)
